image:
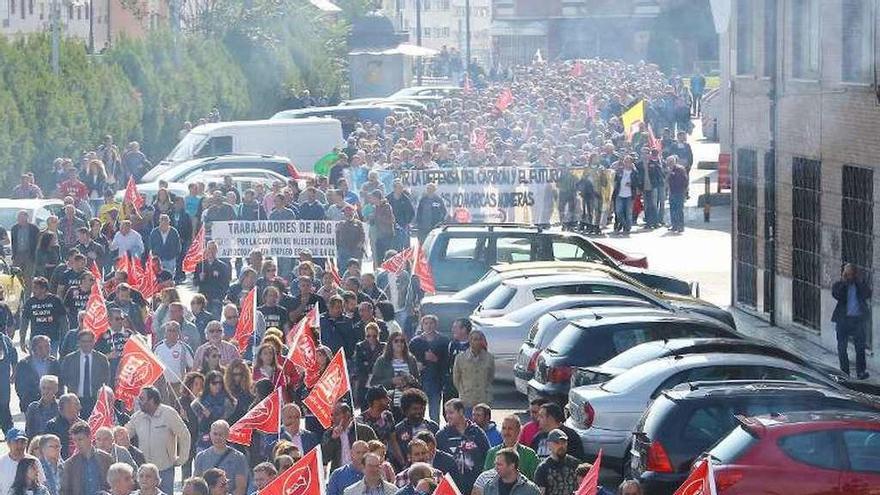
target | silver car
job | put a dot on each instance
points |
(605, 415)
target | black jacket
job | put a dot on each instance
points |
(839, 291)
(34, 232)
(402, 208)
(27, 379)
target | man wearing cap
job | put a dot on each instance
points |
(17, 443)
(556, 475)
(551, 417)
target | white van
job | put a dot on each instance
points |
(304, 141)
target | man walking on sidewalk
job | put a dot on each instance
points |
(850, 315)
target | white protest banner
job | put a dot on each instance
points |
(488, 194)
(284, 238)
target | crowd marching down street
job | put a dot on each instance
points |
(308, 360)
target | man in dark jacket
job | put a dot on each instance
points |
(24, 247)
(626, 187)
(850, 314)
(345, 429)
(29, 370)
(212, 278)
(402, 205)
(430, 212)
(165, 243)
(183, 223)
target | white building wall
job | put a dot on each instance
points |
(33, 16)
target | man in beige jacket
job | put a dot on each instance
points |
(162, 435)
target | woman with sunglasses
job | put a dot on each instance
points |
(239, 384)
(210, 361)
(214, 403)
(366, 352)
(396, 369)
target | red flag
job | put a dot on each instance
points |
(150, 283)
(305, 477)
(422, 271)
(96, 272)
(196, 252)
(419, 139)
(102, 414)
(132, 196)
(265, 417)
(332, 385)
(504, 100)
(303, 350)
(700, 482)
(138, 368)
(653, 142)
(397, 263)
(447, 486)
(479, 140)
(135, 272)
(331, 267)
(244, 330)
(96, 318)
(122, 263)
(577, 70)
(590, 483)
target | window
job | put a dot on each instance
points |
(22, 8)
(443, 5)
(747, 228)
(567, 251)
(863, 450)
(707, 424)
(805, 39)
(463, 248)
(857, 41)
(770, 9)
(733, 446)
(857, 215)
(499, 298)
(745, 48)
(806, 242)
(812, 449)
(70, 11)
(628, 337)
(31, 7)
(513, 249)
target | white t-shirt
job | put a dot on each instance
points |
(177, 359)
(7, 473)
(625, 184)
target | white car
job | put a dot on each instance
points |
(38, 210)
(243, 179)
(506, 333)
(605, 415)
(427, 91)
(520, 292)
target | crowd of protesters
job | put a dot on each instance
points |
(406, 373)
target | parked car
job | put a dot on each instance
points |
(303, 141)
(585, 343)
(687, 420)
(459, 254)
(448, 307)
(648, 351)
(446, 91)
(185, 170)
(605, 415)
(506, 333)
(827, 452)
(243, 179)
(38, 211)
(349, 115)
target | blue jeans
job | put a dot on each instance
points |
(676, 211)
(660, 198)
(434, 391)
(624, 212)
(851, 326)
(649, 198)
(166, 480)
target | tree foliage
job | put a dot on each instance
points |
(245, 57)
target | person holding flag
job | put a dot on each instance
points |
(337, 441)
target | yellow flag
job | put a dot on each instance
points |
(632, 117)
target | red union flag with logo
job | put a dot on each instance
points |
(96, 318)
(305, 477)
(590, 484)
(700, 482)
(265, 417)
(102, 414)
(247, 318)
(332, 385)
(132, 196)
(397, 263)
(138, 368)
(196, 252)
(303, 350)
(447, 486)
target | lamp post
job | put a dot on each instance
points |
(419, 40)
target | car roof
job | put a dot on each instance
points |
(207, 128)
(27, 204)
(561, 278)
(816, 419)
(233, 171)
(657, 316)
(574, 314)
(735, 388)
(535, 265)
(727, 359)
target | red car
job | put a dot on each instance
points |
(829, 452)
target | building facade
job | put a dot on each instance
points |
(800, 99)
(98, 21)
(444, 24)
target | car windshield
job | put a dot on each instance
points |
(499, 298)
(478, 291)
(637, 355)
(187, 147)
